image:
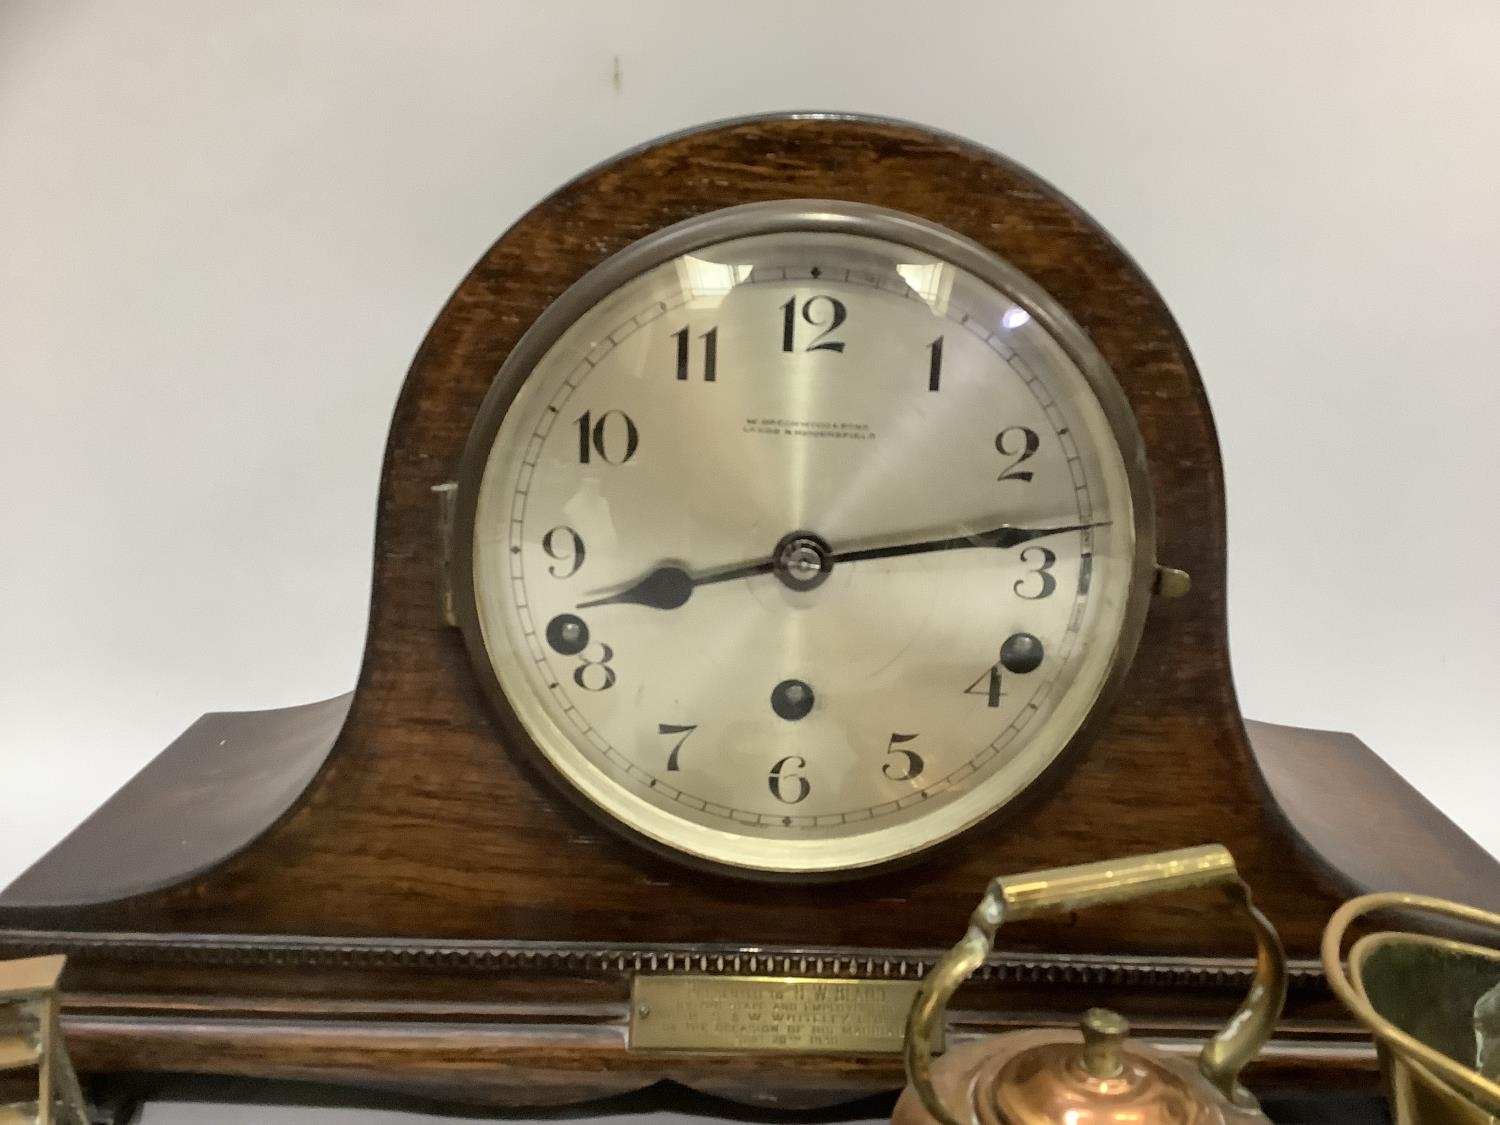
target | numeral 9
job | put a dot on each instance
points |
(566, 546)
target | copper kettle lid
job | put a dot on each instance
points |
(1056, 1080)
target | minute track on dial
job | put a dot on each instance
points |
(670, 586)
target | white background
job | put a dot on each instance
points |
(225, 227)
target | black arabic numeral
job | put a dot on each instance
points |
(1030, 443)
(1021, 654)
(902, 770)
(935, 364)
(710, 354)
(1044, 572)
(604, 683)
(992, 691)
(673, 728)
(574, 554)
(778, 778)
(595, 437)
(812, 313)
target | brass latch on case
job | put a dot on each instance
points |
(1171, 582)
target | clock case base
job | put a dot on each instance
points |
(510, 1023)
(384, 890)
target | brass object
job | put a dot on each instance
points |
(31, 1038)
(797, 1014)
(1171, 582)
(1433, 1005)
(1051, 1077)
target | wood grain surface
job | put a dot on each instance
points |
(428, 824)
(221, 783)
(1363, 819)
(425, 822)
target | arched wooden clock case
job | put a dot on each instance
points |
(384, 890)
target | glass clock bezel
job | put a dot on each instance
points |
(522, 719)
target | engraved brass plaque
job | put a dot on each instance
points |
(807, 1014)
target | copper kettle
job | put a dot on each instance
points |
(1056, 1077)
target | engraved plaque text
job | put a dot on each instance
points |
(807, 1014)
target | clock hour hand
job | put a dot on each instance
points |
(1003, 536)
(668, 587)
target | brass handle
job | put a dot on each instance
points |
(1352, 993)
(1061, 889)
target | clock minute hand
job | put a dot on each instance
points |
(1003, 536)
(670, 586)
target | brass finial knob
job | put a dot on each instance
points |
(1104, 1033)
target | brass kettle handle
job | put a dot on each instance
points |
(1348, 988)
(1062, 889)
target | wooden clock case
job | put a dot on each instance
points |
(383, 890)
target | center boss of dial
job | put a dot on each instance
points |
(802, 561)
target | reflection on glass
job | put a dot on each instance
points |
(701, 278)
(932, 281)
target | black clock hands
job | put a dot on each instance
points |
(668, 587)
(803, 560)
(1002, 536)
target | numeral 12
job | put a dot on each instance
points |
(813, 312)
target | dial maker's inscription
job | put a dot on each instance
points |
(791, 427)
(707, 1013)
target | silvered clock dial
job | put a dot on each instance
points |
(802, 536)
